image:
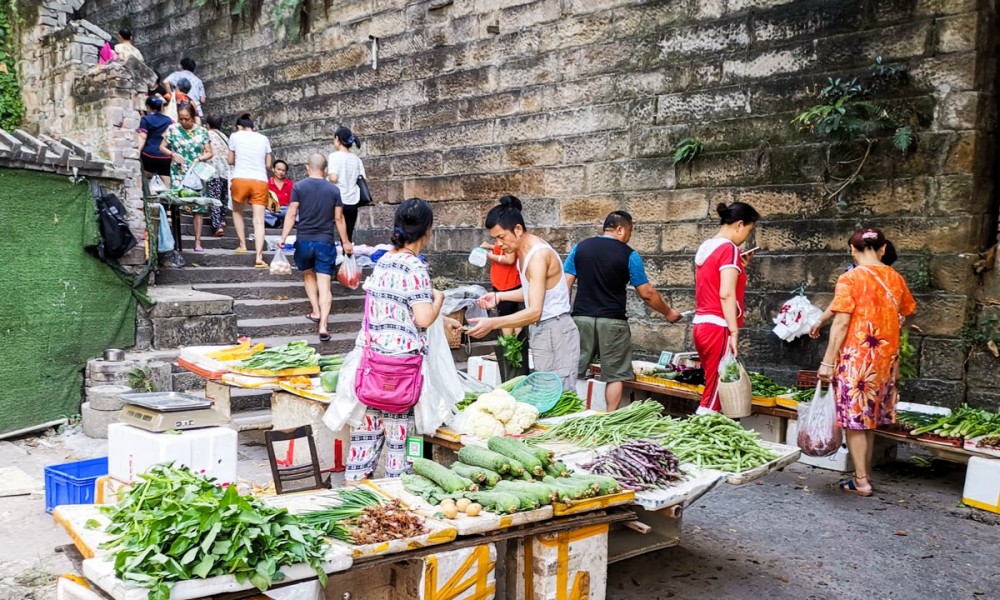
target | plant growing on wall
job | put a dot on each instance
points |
(11, 105)
(853, 121)
(686, 150)
(245, 11)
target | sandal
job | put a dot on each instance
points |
(220, 232)
(241, 251)
(312, 318)
(850, 487)
(324, 337)
(260, 265)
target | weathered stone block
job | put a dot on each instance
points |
(590, 209)
(935, 392)
(942, 359)
(717, 104)
(958, 33)
(175, 332)
(983, 370)
(784, 60)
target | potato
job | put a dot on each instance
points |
(462, 503)
(447, 501)
(449, 511)
(473, 509)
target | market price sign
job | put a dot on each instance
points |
(414, 447)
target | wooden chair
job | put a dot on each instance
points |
(283, 475)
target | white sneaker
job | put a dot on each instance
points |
(702, 410)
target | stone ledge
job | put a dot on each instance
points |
(182, 301)
(66, 157)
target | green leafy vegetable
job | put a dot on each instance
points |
(292, 355)
(511, 349)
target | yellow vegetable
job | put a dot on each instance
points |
(462, 504)
(449, 511)
(473, 509)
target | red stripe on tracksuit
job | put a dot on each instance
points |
(710, 341)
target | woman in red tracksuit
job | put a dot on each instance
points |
(719, 284)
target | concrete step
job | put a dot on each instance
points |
(248, 274)
(297, 325)
(224, 257)
(271, 290)
(187, 228)
(340, 343)
(292, 306)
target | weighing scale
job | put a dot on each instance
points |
(164, 411)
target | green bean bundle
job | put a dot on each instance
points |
(640, 420)
(714, 441)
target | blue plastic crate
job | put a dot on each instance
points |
(73, 483)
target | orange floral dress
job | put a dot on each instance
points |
(876, 297)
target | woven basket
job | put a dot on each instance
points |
(455, 337)
(736, 397)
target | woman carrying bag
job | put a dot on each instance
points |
(719, 285)
(346, 170)
(400, 305)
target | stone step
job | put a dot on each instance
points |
(340, 342)
(225, 257)
(270, 290)
(292, 306)
(297, 325)
(248, 274)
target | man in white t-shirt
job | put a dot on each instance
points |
(250, 155)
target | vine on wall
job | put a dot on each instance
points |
(11, 104)
(292, 15)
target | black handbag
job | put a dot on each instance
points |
(364, 194)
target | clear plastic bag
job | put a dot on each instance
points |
(349, 274)
(280, 264)
(156, 185)
(191, 181)
(442, 388)
(819, 433)
(345, 408)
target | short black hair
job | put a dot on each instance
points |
(279, 162)
(507, 214)
(125, 34)
(188, 64)
(413, 218)
(616, 219)
(184, 85)
(214, 121)
(244, 120)
(186, 107)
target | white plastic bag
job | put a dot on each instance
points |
(442, 388)
(795, 318)
(156, 185)
(345, 408)
(349, 274)
(819, 433)
(191, 181)
(280, 264)
(465, 297)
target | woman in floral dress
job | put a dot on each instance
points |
(187, 144)
(869, 304)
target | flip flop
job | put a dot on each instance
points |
(312, 318)
(199, 250)
(220, 232)
(241, 251)
(848, 486)
(260, 265)
(324, 337)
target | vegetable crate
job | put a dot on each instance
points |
(73, 483)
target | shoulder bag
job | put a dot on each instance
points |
(364, 194)
(389, 383)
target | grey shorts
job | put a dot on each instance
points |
(611, 339)
(555, 346)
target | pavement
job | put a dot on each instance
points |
(791, 536)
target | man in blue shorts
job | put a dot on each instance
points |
(316, 203)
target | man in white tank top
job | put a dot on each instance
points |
(554, 338)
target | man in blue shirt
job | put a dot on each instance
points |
(605, 266)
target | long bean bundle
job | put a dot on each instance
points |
(640, 420)
(713, 441)
(638, 465)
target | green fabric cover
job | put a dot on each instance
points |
(59, 306)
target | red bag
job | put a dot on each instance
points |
(389, 383)
(349, 273)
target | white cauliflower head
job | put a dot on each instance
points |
(524, 417)
(498, 403)
(482, 424)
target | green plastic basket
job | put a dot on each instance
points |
(541, 389)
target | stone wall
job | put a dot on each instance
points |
(68, 95)
(576, 107)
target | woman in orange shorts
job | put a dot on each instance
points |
(250, 155)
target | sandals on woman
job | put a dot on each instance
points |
(312, 318)
(850, 486)
(324, 337)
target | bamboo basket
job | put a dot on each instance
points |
(455, 337)
(736, 397)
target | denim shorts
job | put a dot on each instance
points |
(316, 256)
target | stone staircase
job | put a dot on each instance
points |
(267, 308)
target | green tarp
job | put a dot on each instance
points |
(59, 306)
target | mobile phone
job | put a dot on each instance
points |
(751, 250)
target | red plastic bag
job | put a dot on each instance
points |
(349, 274)
(819, 433)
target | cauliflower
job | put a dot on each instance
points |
(498, 403)
(482, 424)
(524, 417)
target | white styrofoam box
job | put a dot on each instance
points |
(770, 429)
(982, 484)
(558, 560)
(476, 564)
(484, 370)
(210, 451)
(67, 589)
(592, 393)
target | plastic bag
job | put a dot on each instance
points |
(280, 264)
(729, 369)
(795, 318)
(156, 185)
(442, 388)
(464, 297)
(349, 274)
(345, 408)
(819, 433)
(191, 181)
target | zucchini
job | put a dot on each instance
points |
(476, 474)
(576, 490)
(508, 385)
(606, 485)
(519, 451)
(557, 469)
(541, 492)
(447, 479)
(496, 502)
(481, 457)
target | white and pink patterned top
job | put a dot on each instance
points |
(397, 283)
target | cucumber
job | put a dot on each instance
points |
(481, 457)
(496, 502)
(476, 474)
(576, 490)
(606, 485)
(447, 479)
(518, 451)
(541, 453)
(516, 468)
(529, 499)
